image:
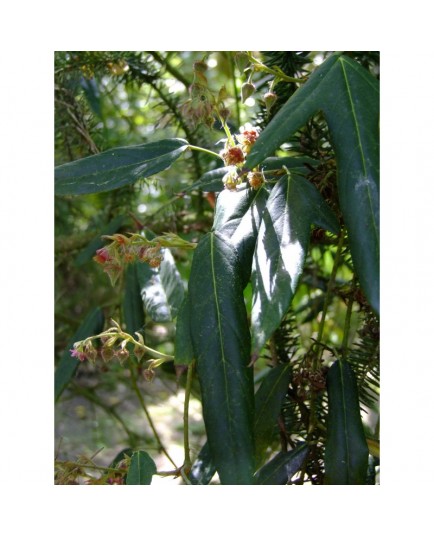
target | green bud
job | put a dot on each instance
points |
(247, 89)
(269, 98)
(139, 352)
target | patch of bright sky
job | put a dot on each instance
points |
(318, 59)
(212, 62)
(174, 86)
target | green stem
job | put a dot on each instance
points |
(259, 66)
(194, 148)
(227, 131)
(74, 465)
(148, 416)
(129, 338)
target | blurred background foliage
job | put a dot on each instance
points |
(111, 99)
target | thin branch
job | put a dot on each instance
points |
(148, 417)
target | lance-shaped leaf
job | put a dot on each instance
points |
(268, 402)
(282, 467)
(65, 370)
(141, 470)
(162, 289)
(221, 342)
(237, 220)
(117, 167)
(346, 450)
(348, 96)
(294, 204)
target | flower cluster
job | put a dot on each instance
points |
(234, 156)
(124, 250)
(113, 344)
(127, 249)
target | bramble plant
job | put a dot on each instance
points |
(277, 314)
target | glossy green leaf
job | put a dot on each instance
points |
(348, 96)
(203, 468)
(141, 470)
(132, 304)
(294, 204)
(162, 289)
(346, 449)
(88, 252)
(117, 167)
(221, 342)
(268, 403)
(184, 353)
(282, 467)
(65, 370)
(237, 220)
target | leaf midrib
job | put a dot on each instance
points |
(223, 356)
(356, 123)
(359, 138)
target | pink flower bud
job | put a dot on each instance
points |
(102, 256)
(81, 356)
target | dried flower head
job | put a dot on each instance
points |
(233, 156)
(256, 179)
